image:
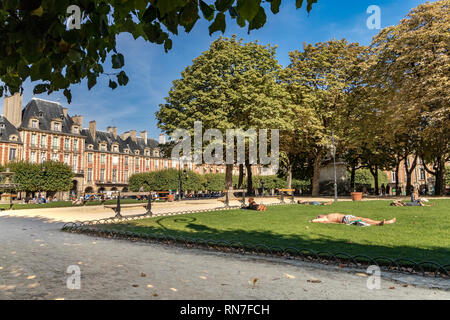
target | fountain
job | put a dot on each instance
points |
(7, 185)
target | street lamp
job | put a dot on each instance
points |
(262, 187)
(334, 165)
(180, 174)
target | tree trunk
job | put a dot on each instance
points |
(228, 176)
(316, 176)
(397, 169)
(439, 174)
(352, 178)
(241, 175)
(409, 187)
(374, 172)
(249, 177)
(289, 176)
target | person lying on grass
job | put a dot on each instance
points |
(348, 219)
(416, 203)
(315, 203)
(252, 205)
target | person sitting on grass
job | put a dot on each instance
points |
(338, 218)
(252, 205)
(315, 203)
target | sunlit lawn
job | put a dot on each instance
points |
(420, 234)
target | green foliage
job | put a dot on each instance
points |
(27, 175)
(168, 179)
(364, 177)
(56, 176)
(300, 184)
(270, 182)
(36, 44)
(49, 176)
(215, 181)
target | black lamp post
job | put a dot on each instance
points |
(262, 187)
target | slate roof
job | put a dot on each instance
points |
(123, 144)
(45, 111)
(6, 130)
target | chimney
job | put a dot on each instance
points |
(13, 109)
(113, 131)
(162, 139)
(92, 128)
(65, 112)
(133, 135)
(143, 135)
(78, 120)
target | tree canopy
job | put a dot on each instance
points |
(36, 44)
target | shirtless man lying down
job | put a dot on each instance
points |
(339, 218)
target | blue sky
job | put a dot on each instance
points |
(151, 70)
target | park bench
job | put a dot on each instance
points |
(229, 196)
(281, 196)
(117, 207)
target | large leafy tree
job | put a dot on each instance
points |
(320, 79)
(231, 86)
(411, 65)
(36, 44)
(49, 176)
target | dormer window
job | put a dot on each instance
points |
(76, 130)
(13, 138)
(34, 124)
(115, 148)
(2, 126)
(103, 147)
(57, 126)
(90, 147)
(41, 114)
(136, 152)
(61, 117)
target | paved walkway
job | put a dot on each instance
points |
(70, 214)
(35, 254)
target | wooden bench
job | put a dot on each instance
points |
(227, 198)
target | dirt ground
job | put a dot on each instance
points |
(35, 256)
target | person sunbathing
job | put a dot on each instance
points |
(315, 203)
(339, 218)
(252, 205)
(415, 203)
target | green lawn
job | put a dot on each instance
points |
(421, 233)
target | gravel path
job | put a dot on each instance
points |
(34, 256)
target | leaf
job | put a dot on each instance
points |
(92, 80)
(40, 88)
(122, 78)
(223, 5)
(289, 276)
(218, 24)
(258, 21)
(167, 6)
(68, 95)
(207, 10)
(112, 84)
(248, 9)
(310, 3)
(117, 60)
(275, 6)
(38, 12)
(298, 3)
